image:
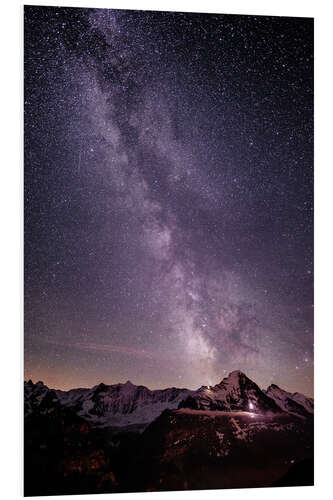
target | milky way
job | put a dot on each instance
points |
(168, 198)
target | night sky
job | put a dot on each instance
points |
(168, 198)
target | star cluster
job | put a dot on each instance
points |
(168, 197)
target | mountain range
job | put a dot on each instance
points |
(121, 405)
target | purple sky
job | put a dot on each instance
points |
(168, 198)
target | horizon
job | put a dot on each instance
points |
(262, 388)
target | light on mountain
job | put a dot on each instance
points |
(251, 405)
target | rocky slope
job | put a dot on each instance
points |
(203, 449)
(293, 403)
(235, 392)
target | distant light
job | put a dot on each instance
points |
(208, 386)
(251, 405)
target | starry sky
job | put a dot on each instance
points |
(168, 198)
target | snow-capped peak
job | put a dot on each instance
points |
(236, 374)
(129, 384)
(234, 392)
(235, 378)
(294, 403)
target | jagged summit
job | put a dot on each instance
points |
(30, 383)
(235, 377)
(129, 386)
(273, 386)
(294, 403)
(236, 392)
(99, 387)
(236, 374)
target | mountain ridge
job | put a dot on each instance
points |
(126, 404)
